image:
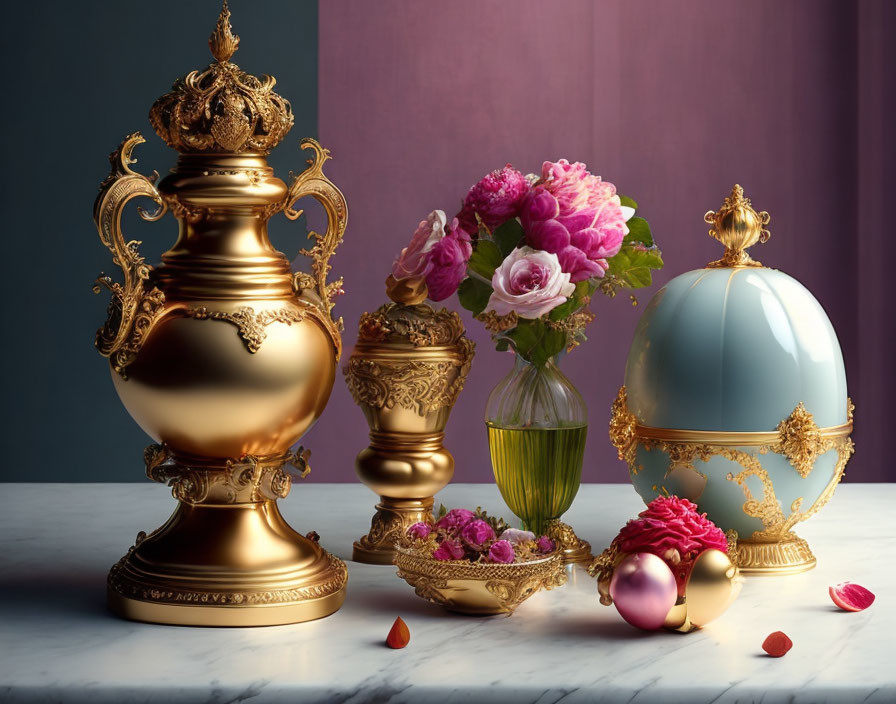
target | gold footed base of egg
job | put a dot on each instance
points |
(226, 557)
(575, 550)
(789, 555)
(390, 522)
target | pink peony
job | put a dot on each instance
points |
(448, 263)
(529, 283)
(501, 551)
(448, 550)
(671, 528)
(544, 544)
(477, 532)
(575, 215)
(419, 530)
(455, 519)
(414, 259)
(496, 198)
(516, 536)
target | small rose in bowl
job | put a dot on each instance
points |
(420, 531)
(545, 544)
(515, 536)
(455, 519)
(476, 533)
(449, 549)
(529, 283)
(501, 551)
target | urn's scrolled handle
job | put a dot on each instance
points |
(312, 182)
(133, 309)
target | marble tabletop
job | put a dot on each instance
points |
(58, 642)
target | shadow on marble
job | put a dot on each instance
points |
(597, 629)
(54, 595)
(403, 602)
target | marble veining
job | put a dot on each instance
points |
(58, 642)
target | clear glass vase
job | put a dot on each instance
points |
(537, 423)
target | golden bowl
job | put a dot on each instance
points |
(481, 588)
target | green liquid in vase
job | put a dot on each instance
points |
(538, 470)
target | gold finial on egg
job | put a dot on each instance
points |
(223, 42)
(737, 226)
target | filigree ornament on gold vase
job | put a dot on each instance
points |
(405, 372)
(223, 355)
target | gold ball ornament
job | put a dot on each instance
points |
(712, 586)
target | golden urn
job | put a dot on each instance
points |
(406, 372)
(223, 356)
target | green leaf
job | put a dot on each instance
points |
(633, 264)
(502, 344)
(638, 277)
(526, 336)
(552, 342)
(628, 202)
(486, 258)
(639, 231)
(508, 236)
(535, 341)
(473, 294)
(574, 302)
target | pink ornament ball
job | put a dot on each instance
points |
(643, 589)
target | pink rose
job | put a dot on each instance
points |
(575, 215)
(516, 536)
(496, 199)
(455, 519)
(501, 551)
(545, 544)
(477, 532)
(420, 530)
(671, 528)
(529, 283)
(414, 259)
(448, 263)
(448, 549)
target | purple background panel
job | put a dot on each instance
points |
(674, 102)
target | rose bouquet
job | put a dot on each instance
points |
(526, 254)
(460, 534)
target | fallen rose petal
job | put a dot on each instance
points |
(777, 644)
(851, 597)
(399, 636)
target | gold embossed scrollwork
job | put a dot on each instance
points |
(418, 386)
(133, 310)
(312, 182)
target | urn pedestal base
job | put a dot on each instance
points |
(574, 549)
(226, 557)
(392, 518)
(789, 555)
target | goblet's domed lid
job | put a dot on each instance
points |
(222, 109)
(735, 346)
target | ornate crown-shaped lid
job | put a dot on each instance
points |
(222, 109)
(737, 226)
